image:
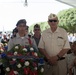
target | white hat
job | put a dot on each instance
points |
(52, 16)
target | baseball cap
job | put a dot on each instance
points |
(36, 26)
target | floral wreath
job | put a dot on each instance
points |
(23, 60)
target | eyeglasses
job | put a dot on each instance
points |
(52, 20)
(36, 29)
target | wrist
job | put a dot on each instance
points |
(58, 57)
(46, 59)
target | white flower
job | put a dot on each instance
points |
(15, 72)
(35, 54)
(26, 63)
(16, 47)
(8, 69)
(24, 49)
(2, 50)
(19, 66)
(31, 49)
(42, 69)
(15, 53)
(14, 59)
(35, 68)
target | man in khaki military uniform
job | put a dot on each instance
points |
(54, 45)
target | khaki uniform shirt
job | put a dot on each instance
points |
(53, 43)
(23, 41)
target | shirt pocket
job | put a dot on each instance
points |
(60, 41)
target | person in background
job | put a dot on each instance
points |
(27, 30)
(54, 45)
(37, 33)
(21, 36)
(14, 32)
(70, 50)
(71, 60)
(0, 36)
(8, 36)
(4, 40)
(2, 72)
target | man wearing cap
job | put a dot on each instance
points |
(37, 33)
(54, 45)
(21, 36)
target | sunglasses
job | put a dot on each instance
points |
(52, 20)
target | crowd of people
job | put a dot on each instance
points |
(59, 53)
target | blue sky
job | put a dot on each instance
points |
(36, 11)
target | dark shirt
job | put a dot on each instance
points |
(36, 40)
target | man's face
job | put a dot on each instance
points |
(74, 48)
(53, 22)
(37, 30)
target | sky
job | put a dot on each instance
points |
(36, 11)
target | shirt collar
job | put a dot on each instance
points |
(49, 30)
(18, 36)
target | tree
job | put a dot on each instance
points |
(67, 19)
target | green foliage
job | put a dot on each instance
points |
(67, 19)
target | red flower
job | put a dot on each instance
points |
(26, 71)
(12, 62)
(33, 72)
(11, 73)
(19, 54)
(22, 60)
(34, 64)
(29, 41)
(10, 54)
